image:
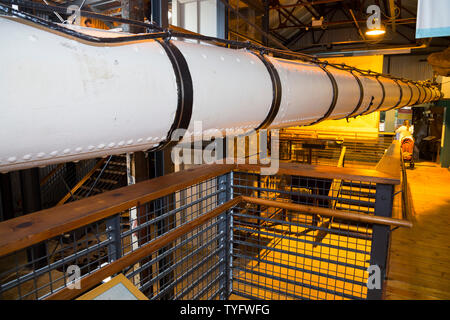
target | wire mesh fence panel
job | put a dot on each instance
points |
(324, 149)
(189, 267)
(284, 254)
(44, 268)
(280, 254)
(199, 249)
(355, 196)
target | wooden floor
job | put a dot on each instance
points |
(420, 257)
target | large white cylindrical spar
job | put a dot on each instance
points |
(65, 99)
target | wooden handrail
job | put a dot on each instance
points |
(30, 229)
(96, 277)
(27, 230)
(327, 172)
(81, 182)
(390, 162)
(359, 217)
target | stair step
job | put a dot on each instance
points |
(117, 172)
(107, 181)
(359, 203)
(361, 185)
(93, 189)
(116, 163)
(354, 210)
(357, 193)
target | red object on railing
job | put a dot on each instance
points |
(407, 146)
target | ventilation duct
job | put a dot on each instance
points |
(76, 93)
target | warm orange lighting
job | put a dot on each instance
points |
(375, 32)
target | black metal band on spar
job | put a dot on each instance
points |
(428, 99)
(367, 111)
(418, 90)
(412, 93)
(335, 94)
(184, 90)
(276, 89)
(401, 95)
(361, 96)
(384, 94)
(423, 94)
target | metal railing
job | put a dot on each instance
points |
(212, 232)
(324, 148)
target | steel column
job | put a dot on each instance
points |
(31, 202)
(381, 237)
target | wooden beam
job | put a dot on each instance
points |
(328, 172)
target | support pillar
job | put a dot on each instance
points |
(134, 10)
(159, 12)
(381, 235)
(445, 139)
(6, 197)
(265, 22)
(31, 202)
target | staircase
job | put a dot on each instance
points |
(358, 197)
(108, 174)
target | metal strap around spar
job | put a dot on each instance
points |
(361, 96)
(423, 95)
(401, 95)
(410, 89)
(426, 95)
(384, 93)
(381, 102)
(276, 89)
(420, 93)
(184, 89)
(335, 94)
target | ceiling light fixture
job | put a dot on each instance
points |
(376, 31)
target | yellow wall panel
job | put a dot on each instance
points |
(366, 125)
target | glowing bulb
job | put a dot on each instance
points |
(375, 32)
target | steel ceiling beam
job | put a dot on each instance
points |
(392, 14)
(296, 37)
(303, 4)
(357, 24)
(351, 22)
